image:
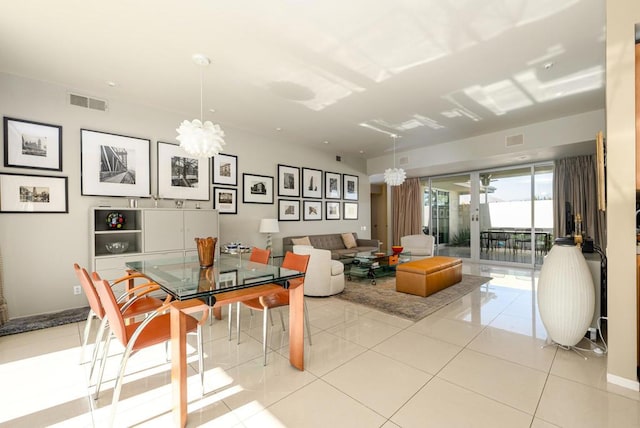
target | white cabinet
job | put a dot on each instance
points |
(146, 233)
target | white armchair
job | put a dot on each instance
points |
(324, 277)
(420, 246)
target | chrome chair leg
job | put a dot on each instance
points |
(281, 320)
(200, 358)
(99, 342)
(264, 335)
(103, 363)
(306, 322)
(230, 310)
(238, 321)
(85, 338)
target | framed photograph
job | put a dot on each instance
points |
(225, 200)
(225, 169)
(332, 210)
(311, 183)
(257, 189)
(114, 165)
(288, 210)
(32, 144)
(181, 175)
(350, 183)
(33, 194)
(288, 181)
(311, 210)
(332, 185)
(350, 210)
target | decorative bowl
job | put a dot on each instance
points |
(115, 220)
(397, 249)
(117, 247)
(378, 254)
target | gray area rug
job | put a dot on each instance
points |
(385, 298)
(37, 322)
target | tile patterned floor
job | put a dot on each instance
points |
(478, 362)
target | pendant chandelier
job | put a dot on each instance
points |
(198, 138)
(394, 176)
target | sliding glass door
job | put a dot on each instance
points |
(448, 215)
(500, 215)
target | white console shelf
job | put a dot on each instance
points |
(149, 233)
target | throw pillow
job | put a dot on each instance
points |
(348, 240)
(301, 241)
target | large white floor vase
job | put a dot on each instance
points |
(566, 295)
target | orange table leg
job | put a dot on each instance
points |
(296, 327)
(179, 365)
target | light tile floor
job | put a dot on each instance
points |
(478, 362)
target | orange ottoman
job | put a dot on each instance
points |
(426, 276)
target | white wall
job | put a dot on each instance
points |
(39, 250)
(621, 145)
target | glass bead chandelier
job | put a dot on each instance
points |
(394, 176)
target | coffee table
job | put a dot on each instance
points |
(373, 264)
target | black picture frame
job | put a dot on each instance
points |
(181, 175)
(349, 210)
(33, 194)
(33, 145)
(312, 210)
(119, 177)
(225, 169)
(332, 186)
(225, 200)
(311, 183)
(350, 187)
(288, 210)
(257, 189)
(288, 181)
(332, 210)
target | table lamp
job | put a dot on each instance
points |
(269, 226)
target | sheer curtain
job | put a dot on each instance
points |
(407, 209)
(575, 181)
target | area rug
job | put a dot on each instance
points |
(384, 297)
(37, 322)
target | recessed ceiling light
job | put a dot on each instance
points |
(325, 142)
(548, 65)
(111, 83)
(278, 129)
(361, 152)
(212, 110)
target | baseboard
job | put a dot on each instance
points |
(623, 382)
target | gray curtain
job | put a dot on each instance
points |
(407, 209)
(575, 180)
(4, 313)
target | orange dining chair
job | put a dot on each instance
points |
(258, 255)
(153, 330)
(292, 261)
(134, 303)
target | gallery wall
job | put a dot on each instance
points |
(38, 250)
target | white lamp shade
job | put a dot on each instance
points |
(566, 295)
(269, 225)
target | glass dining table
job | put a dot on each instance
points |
(229, 280)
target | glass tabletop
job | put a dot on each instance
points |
(184, 279)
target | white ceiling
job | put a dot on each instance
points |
(430, 70)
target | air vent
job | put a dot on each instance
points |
(87, 102)
(514, 140)
(404, 160)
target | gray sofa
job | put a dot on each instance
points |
(333, 242)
